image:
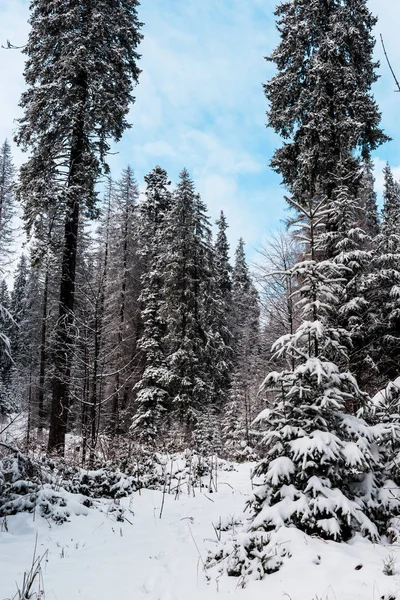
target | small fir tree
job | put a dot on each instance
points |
(320, 471)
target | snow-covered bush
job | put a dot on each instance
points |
(28, 485)
(24, 486)
(57, 490)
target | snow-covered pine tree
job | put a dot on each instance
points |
(384, 283)
(87, 380)
(351, 247)
(22, 342)
(18, 304)
(386, 410)
(223, 266)
(151, 419)
(80, 72)
(223, 318)
(368, 216)
(25, 385)
(193, 349)
(7, 206)
(122, 317)
(46, 233)
(216, 314)
(245, 325)
(320, 472)
(5, 330)
(320, 99)
(185, 338)
(7, 211)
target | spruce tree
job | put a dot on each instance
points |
(152, 400)
(194, 350)
(185, 338)
(368, 216)
(7, 207)
(80, 70)
(5, 331)
(122, 306)
(320, 471)
(384, 283)
(320, 99)
(351, 247)
(18, 304)
(245, 325)
(224, 269)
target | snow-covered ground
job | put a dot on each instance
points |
(94, 557)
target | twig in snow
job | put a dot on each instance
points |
(197, 548)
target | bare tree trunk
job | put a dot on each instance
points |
(116, 404)
(42, 355)
(64, 336)
(29, 424)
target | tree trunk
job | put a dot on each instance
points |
(64, 334)
(42, 355)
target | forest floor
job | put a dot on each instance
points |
(148, 557)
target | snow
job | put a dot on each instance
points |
(381, 397)
(94, 557)
(280, 468)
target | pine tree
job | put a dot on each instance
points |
(246, 353)
(320, 470)
(384, 283)
(122, 299)
(5, 330)
(224, 269)
(18, 305)
(368, 216)
(194, 350)
(7, 208)
(152, 400)
(351, 247)
(223, 322)
(320, 99)
(185, 339)
(80, 70)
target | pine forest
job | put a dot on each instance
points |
(187, 408)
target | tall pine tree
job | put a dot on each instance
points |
(80, 70)
(151, 419)
(320, 99)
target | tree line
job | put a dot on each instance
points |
(165, 332)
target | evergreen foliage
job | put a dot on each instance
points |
(196, 352)
(7, 205)
(320, 99)
(80, 71)
(320, 471)
(384, 283)
(122, 306)
(152, 390)
(245, 325)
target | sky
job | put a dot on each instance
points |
(200, 103)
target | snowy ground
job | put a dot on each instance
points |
(96, 558)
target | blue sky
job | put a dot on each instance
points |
(200, 102)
